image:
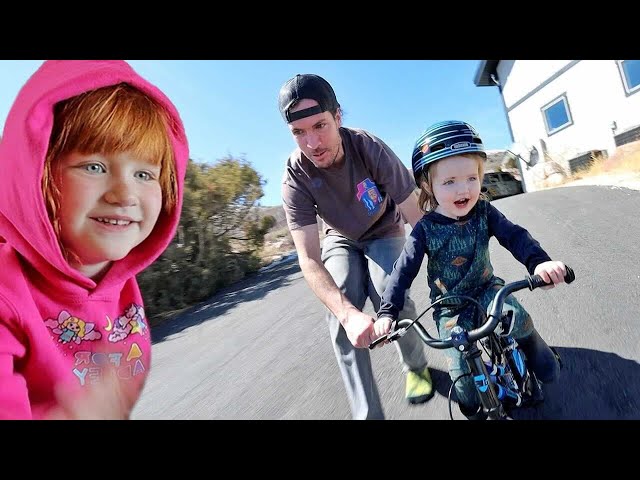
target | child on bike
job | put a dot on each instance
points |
(448, 166)
(93, 159)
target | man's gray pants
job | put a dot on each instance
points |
(361, 270)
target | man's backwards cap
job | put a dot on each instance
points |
(308, 86)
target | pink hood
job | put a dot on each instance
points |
(24, 223)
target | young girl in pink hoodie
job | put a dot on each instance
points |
(93, 159)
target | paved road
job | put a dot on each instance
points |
(261, 350)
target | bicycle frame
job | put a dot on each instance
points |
(503, 381)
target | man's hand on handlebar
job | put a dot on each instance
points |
(552, 272)
(360, 328)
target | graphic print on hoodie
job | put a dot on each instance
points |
(57, 325)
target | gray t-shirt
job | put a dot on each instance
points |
(357, 200)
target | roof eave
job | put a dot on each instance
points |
(484, 71)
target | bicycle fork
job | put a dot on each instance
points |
(492, 393)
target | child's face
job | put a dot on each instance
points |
(109, 205)
(456, 185)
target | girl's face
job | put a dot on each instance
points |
(456, 184)
(108, 206)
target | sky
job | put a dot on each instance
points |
(229, 107)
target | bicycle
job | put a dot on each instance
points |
(503, 380)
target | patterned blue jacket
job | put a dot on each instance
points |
(458, 256)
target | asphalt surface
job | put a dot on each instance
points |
(261, 349)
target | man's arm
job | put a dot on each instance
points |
(410, 210)
(358, 325)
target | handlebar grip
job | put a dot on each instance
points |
(569, 276)
(536, 281)
(376, 342)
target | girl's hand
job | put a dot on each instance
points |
(551, 272)
(111, 399)
(382, 327)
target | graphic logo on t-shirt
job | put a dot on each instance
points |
(72, 329)
(131, 322)
(89, 367)
(369, 195)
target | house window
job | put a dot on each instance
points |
(630, 73)
(557, 115)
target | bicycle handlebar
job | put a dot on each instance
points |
(531, 282)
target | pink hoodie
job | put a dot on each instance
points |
(56, 325)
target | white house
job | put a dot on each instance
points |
(565, 110)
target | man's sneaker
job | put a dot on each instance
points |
(419, 386)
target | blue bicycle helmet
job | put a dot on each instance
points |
(442, 140)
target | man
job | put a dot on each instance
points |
(361, 190)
